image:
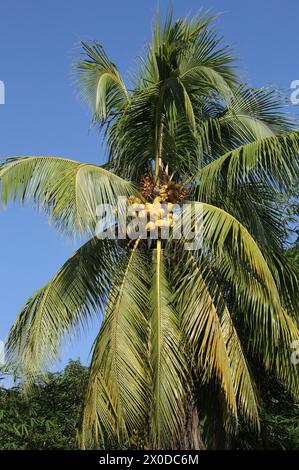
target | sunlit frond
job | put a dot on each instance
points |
(258, 311)
(209, 329)
(216, 228)
(118, 390)
(67, 190)
(100, 83)
(167, 362)
(259, 112)
(273, 160)
(202, 328)
(256, 207)
(68, 301)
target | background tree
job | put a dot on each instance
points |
(279, 418)
(47, 416)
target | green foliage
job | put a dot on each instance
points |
(279, 419)
(47, 415)
(71, 298)
(293, 254)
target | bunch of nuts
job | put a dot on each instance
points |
(156, 214)
(168, 190)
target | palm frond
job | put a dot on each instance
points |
(118, 389)
(260, 110)
(67, 190)
(273, 161)
(100, 83)
(68, 301)
(268, 328)
(167, 362)
(202, 328)
(256, 207)
(131, 142)
(209, 329)
(217, 229)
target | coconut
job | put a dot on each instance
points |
(161, 212)
(130, 231)
(137, 206)
(150, 226)
(132, 213)
(142, 214)
(154, 215)
(157, 200)
(161, 223)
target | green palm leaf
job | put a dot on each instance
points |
(67, 190)
(273, 160)
(68, 301)
(258, 311)
(167, 362)
(118, 390)
(100, 82)
(209, 329)
(219, 229)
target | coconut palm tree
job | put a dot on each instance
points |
(179, 326)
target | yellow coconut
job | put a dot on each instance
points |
(137, 206)
(132, 213)
(161, 212)
(150, 226)
(154, 215)
(130, 231)
(161, 223)
(157, 200)
(131, 199)
(142, 214)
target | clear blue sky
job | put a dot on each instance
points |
(43, 116)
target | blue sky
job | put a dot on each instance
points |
(43, 116)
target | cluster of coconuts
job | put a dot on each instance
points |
(168, 191)
(157, 215)
(173, 192)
